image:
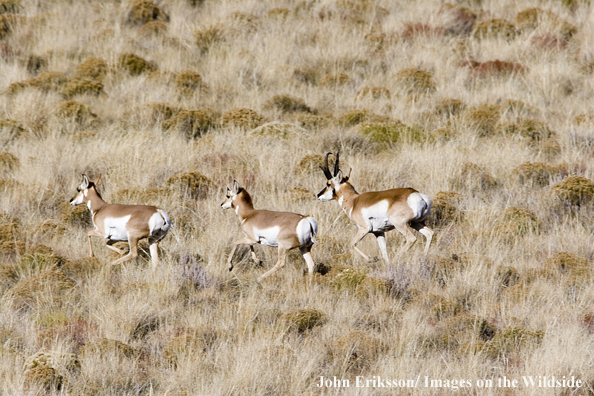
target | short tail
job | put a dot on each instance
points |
(166, 219)
(307, 230)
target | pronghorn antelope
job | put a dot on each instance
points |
(283, 229)
(379, 211)
(117, 223)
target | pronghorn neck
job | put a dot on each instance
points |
(243, 205)
(345, 195)
(94, 201)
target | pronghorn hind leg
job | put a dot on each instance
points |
(427, 232)
(405, 230)
(361, 232)
(133, 241)
(241, 241)
(282, 258)
(89, 235)
(306, 254)
(154, 248)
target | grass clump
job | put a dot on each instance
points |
(78, 216)
(494, 68)
(482, 120)
(334, 80)
(513, 339)
(534, 174)
(450, 107)
(192, 124)
(445, 208)
(310, 164)
(40, 375)
(190, 185)
(530, 129)
(135, 65)
(8, 162)
(105, 347)
(494, 29)
(357, 351)
(142, 12)
(519, 222)
(301, 320)
(10, 6)
(160, 112)
(374, 93)
(415, 81)
(10, 130)
(565, 262)
(277, 130)
(574, 191)
(189, 81)
(82, 86)
(288, 104)
(392, 133)
(208, 37)
(92, 68)
(45, 82)
(348, 279)
(355, 117)
(76, 113)
(50, 284)
(242, 118)
(473, 178)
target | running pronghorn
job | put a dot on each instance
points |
(128, 223)
(379, 211)
(283, 229)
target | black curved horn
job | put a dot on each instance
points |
(325, 168)
(336, 170)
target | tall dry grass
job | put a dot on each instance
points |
(484, 106)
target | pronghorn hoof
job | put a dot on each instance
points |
(230, 268)
(375, 259)
(260, 263)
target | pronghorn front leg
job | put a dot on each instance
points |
(282, 257)
(361, 232)
(243, 241)
(381, 241)
(89, 235)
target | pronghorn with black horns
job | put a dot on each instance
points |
(127, 223)
(379, 211)
(284, 230)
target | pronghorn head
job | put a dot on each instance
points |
(235, 196)
(333, 180)
(82, 191)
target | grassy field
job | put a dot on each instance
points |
(485, 106)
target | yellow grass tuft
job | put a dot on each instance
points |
(494, 29)
(45, 82)
(534, 174)
(415, 81)
(301, 320)
(242, 118)
(574, 191)
(445, 208)
(287, 104)
(190, 185)
(135, 65)
(191, 124)
(278, 130)
(142, 12)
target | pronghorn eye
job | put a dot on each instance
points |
(78, 189)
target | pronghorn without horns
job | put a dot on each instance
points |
(284, 230)
(379, 211)
(127, 223)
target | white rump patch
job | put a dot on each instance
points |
(377, 216)
(420, 205)
(267, 236)
(159, 224)
(307, 229)
(115, 228)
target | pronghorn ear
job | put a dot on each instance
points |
(235, 187)
(338, 177)
(85, 182)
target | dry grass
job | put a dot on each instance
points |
(483, 106)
